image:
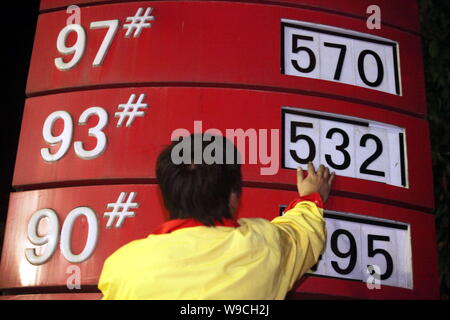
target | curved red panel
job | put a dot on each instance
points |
(389, 9)
(17, 271)
(196, 43)
(131, 152)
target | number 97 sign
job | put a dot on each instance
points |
(351, 147)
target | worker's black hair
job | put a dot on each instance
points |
(197, 188)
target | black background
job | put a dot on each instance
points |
(18, 22)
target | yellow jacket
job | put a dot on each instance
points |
(258, 259)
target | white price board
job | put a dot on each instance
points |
(335, 54)
(350, 146)
(373, 250)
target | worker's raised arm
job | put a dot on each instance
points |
(302, 226)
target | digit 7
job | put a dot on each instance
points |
(112, 26)
(340, 63)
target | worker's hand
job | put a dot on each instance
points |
(319, 181)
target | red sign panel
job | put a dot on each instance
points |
(86, 137)
(194, 43)
(390, 9)
(54, 296)
(52, 232)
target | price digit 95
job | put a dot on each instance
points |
(351, 253)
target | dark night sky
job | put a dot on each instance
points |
(18, 21)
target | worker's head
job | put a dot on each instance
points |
(200, 177)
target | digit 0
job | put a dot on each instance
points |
(362, 73)
(66, 234)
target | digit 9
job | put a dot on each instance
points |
(50, 239)
(65, 137)
(77, 49)
(351, 253)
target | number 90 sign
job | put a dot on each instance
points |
(350, 146)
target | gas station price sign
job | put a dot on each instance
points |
(303, 80)
(366, 248)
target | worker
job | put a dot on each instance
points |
(203, 251)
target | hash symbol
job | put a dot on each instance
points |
(138, 21)
(130, 110)
(120, 209)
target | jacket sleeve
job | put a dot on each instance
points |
(104, 282)
(302, 237)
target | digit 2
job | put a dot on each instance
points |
(373, 157)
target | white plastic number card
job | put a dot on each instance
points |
(352, 147)
(335, 54)
(373, 250)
